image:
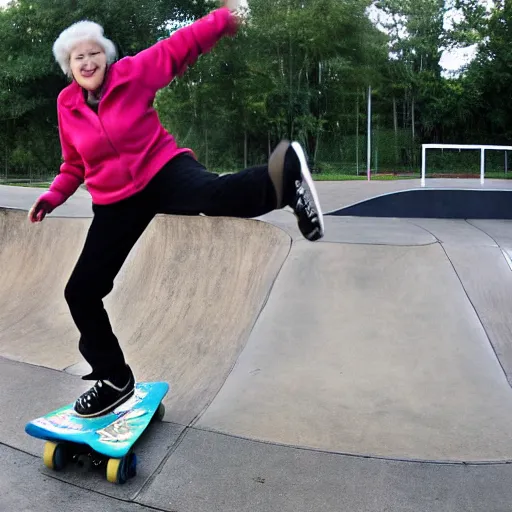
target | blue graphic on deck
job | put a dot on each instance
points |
(112, 434)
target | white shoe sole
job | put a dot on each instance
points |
(306, 175)
(110, 408)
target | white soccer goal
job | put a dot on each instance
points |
(482, 150)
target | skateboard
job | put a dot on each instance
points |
(102, 441)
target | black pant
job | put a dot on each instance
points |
(182, 187)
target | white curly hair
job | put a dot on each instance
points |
(76, 33)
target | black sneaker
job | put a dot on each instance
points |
(105, 396)
(299, 192)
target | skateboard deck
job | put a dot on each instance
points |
(110, 436)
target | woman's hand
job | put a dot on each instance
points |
(39, 210)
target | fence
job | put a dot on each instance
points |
(339, 146)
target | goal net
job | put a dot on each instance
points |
(464, 161)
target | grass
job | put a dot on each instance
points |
(331, 176)
(497, 175)
(335, 176)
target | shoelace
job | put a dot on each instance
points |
(302, 200)
(92, 393)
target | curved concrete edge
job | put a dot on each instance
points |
(375, 231)
(458, 232)
(499, 230)
(480, 252)
(22, 198)
(487, 280)
(176, 319)
(452, 203)
(357, 230)
(54, 215)
(356, 455)
(335, 195)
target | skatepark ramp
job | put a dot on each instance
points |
(370, 346)
(183, 304)
(371, 370)
(436, 203)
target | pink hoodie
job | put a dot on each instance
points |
(120, 149)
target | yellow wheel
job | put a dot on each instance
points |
(120, 470)
(54, 455)
(114, 470)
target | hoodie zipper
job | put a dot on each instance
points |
(97, 113)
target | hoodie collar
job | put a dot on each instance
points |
(76, 99)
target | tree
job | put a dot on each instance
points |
(283, 74)
(491, 72)
(30, 80)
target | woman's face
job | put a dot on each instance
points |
(88, 63)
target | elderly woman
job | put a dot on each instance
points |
(112, 139)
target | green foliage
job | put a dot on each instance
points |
(296, 69)
(30, 80)
(281, 77)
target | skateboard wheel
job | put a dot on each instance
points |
(114, 471)
(132, 469)
(160, 412)
(54, 455)
(119, 470)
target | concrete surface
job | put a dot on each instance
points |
(304, 376)
(379, 353)
(355, 230)
(453, 232)
(24, 489)
(264, 477)
(79, 205)
(498, 230)
(489, 291)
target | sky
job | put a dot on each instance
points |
(451, 61)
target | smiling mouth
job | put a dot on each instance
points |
(89, 73)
